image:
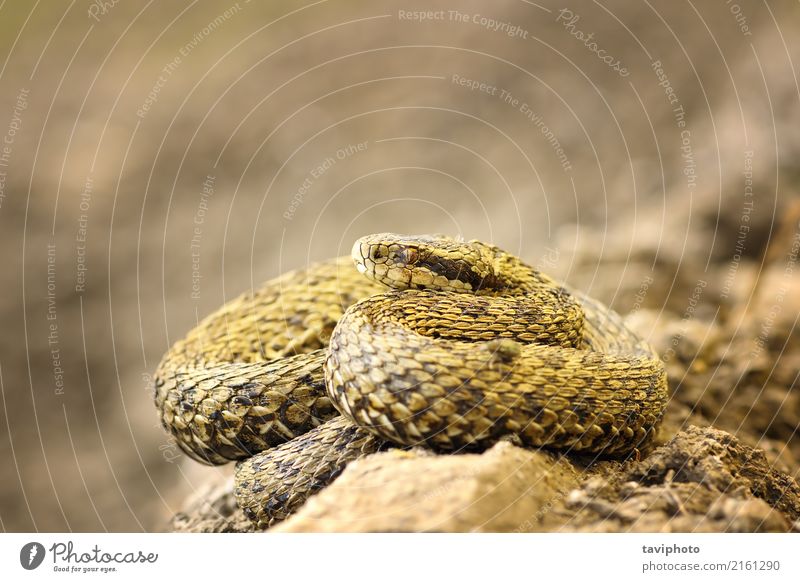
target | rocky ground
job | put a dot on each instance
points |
(701, 480)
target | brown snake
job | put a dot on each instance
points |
(470, 346)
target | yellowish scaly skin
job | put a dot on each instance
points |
(249, 376)
(470, 346)
(503, 354)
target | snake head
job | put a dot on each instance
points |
(424, 262)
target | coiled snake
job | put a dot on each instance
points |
(468, 346)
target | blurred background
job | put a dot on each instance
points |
(158, 159)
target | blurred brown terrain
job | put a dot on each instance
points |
(159, 159)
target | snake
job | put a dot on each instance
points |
(429, 341)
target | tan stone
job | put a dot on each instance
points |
(505, 489)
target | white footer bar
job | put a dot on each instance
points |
(406, 557)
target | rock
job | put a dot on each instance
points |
(704, 479)
(504, 489)
(724, 374)
(212, 509)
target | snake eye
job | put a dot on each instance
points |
(406, 256)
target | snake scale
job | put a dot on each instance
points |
(428, 341)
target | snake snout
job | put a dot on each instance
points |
(386, 258)
(370, 258)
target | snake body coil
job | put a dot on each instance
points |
(470, 346)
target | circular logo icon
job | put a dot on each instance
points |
(31, 555)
